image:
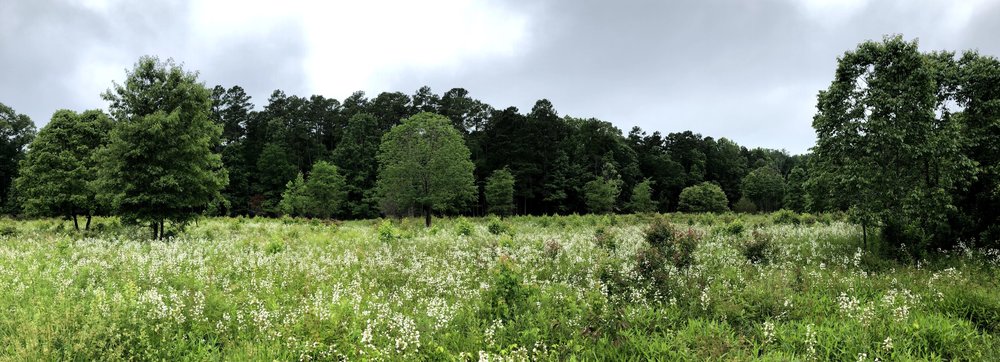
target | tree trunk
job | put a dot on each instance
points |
(162, 229)
(76, 224)
(427, 216)
(156, 230)
(89, 216)
(864, 233)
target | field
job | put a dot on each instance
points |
(523, 288)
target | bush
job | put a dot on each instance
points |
(659, 233)
(757, 248)
(464, 227)
(785, 217)
(507, 296)
(676, 246)
(605, 239)
(386, 232)
(735, 227)
(8, 230)
(497, 226)
(552, 248)
(704, 197)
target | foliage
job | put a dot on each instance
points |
(642, 198)
(704, 197)
(785, 217)
(499, 192)
(882, 145)
(765, 187)
(59, 173)
(324, 190)
(16, 132)
(424, 164)
(160, 163)
(744, 206)
(795, 190)
(294, 200)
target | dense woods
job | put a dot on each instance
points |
(907, 144)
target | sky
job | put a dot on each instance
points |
(745, 70)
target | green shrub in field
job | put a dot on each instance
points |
(785, 217)
(274, 246)
(734, 227)
(659, 233)
(552, 248)
(744, 205)
(676, 246)
(497, 226)
(464, 227)
(757, 248)
(808, 219)
(386, 232)
(605, 239)
(507, 296)
(8, 230)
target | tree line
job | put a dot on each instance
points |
(907, 143)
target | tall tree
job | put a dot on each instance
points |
(883, 147)
(356, 159)
(765, 188)
(703, 197)
(16, 132)
(499, 192)
(160, 163)
(795, 190)
(641, 200)
(424, 164)
(58, 174)
(324, 190)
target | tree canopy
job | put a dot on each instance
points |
(160, 162)
(424, 166)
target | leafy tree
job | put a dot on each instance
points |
(356, 158)
(159, 163)
(16, 132)
(425, 165)
(765, 188)
(602, 193)
(744, 206)
(881, 144)
(274, 170)
(703, 197)
(642, 197)
(59, 173)
(500, 192)
(795, 190)
(325, 191)
(294, 200)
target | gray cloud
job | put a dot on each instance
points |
(55, 53)
(745, 70)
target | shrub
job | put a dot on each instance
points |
(497, 226)
(605, 239)
(659, 233)
(386, 232)
(507, 296)
(735, 227)
(786, 217)
(552, 248)
(8, 230)
(464, 227)
(703, 197)
(757, 248)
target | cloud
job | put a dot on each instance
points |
(749, 71)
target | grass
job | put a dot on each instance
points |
(522, 288)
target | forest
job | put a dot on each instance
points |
(186, 222)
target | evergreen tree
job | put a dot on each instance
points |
(294, 199)
(642, 197)
(499, 192)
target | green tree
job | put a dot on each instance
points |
(642, 197)
(425, 165)
(58, 175)
(160, 163)
(879, 142)
(499, 191)
(602, 193)
(765, 188)
(703, 197)
(274, 170)
(356, 158)
(325, 191)
(795, 190)
(294, 199)
(16, 132)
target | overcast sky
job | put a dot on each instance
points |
(741, 69)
